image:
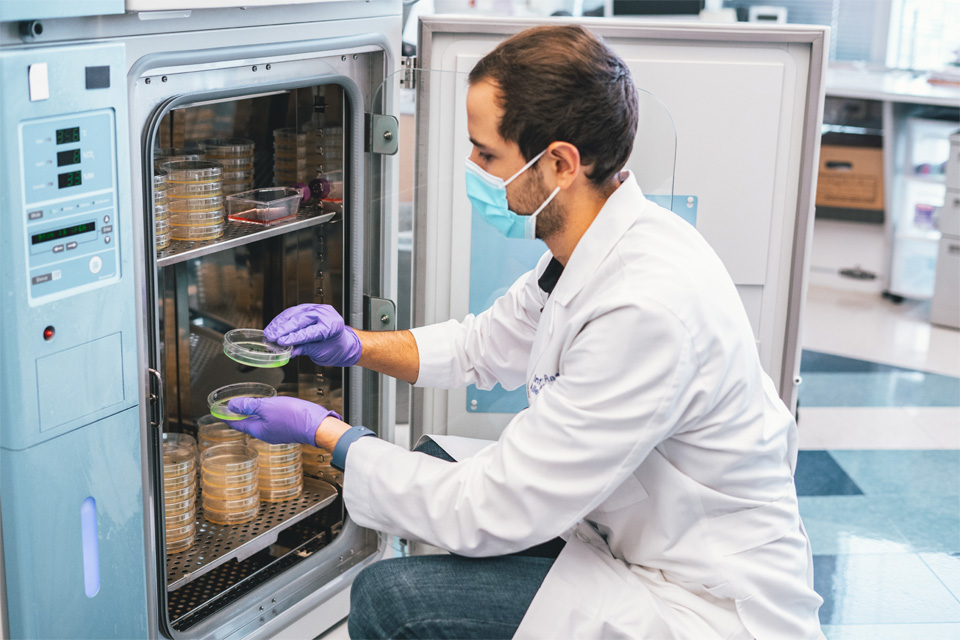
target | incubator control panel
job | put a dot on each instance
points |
(69, 203)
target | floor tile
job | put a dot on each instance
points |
(929, 631)
(865, 326)
(946, 566)
(902, 472)
(878, 427)
(851, 524)
(881, 589)
(818, 474)
(836, 381)
(928, 522)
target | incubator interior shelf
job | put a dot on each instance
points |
(239, 233)
(217, 544)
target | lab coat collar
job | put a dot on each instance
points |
(619, 212)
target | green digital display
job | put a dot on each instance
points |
(66, 232)
(71, 156)
(69, 179)
(66, 136)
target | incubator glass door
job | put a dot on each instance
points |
(459, 263)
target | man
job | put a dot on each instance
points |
(654, 444)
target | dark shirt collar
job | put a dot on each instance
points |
(548, 280)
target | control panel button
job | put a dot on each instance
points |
(56, 274)
(38, 80)
(106, 240)
(71, 245)
(34, 215)
(106, 228)
(45, 277)
(96, 264)
(106, 219)
(58, 248)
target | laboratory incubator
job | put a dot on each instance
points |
(122, 278)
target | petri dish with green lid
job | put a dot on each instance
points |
(252, 348)
(218, 399)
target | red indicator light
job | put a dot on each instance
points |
(48, 333)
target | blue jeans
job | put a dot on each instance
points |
(448, 596)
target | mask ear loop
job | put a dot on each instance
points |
(526, 166)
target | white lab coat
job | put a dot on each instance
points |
(654, 442)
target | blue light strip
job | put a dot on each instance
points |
(91, 550)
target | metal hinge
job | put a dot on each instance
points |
(382, 134)
(379, 314)
(408, 79)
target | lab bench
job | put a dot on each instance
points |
(911, 121)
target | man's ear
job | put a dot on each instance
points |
(563, 159)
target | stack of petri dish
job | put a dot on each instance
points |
(236, 157)
(179, 494)
(212, 431)
(295, 156)
(163, 155)
(161, 212)
(281, 471)
(230, 483)
(195, 199)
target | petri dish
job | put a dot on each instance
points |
(235, 491)
(288, 163)
(237, 187)
(185, 531)
(244, 175)
(279, 460)
(178, 482)
(227, 147)
(281, 482)
(219, 432)
(163, 241)
(265, 448)
(190, 205)
(192, 171)
(236, 164)
(194, 189)
(196, 218)
(161, 211)
(164, 155)
(181, 440)
(289, 136)
(279, 495)
(230, 504)
(160, 197)
(219, 398)
(179, 494)
(180, 506)
(177, 460)
(176, 520)
(280, 470)
(162, 227)
(228, 518)
(175, 546)
(213, 480)
(228, 459)
(159, 179)
(250, 347)
(195, 234)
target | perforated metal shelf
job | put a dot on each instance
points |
(239, 233)
(216, 544)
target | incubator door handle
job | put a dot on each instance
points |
(157, 398)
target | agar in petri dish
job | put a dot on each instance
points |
(219, 398)
(250, 347)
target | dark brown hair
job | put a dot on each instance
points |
(562, 83)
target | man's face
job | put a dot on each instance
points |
(503, 159)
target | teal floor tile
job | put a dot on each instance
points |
(930, 523)
(850, 524)
(881, 589)
(932, 631)
(900, 472)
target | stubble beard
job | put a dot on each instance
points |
(551, 220)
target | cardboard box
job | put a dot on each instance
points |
(850, 177)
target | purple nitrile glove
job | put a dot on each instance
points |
(280, 420)
(317, 331)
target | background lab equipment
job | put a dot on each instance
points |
(107, 343)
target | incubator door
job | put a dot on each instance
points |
(728, 139)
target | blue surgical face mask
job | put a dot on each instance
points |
(488, 195)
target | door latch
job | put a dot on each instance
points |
(383, 134)
(379, 314)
